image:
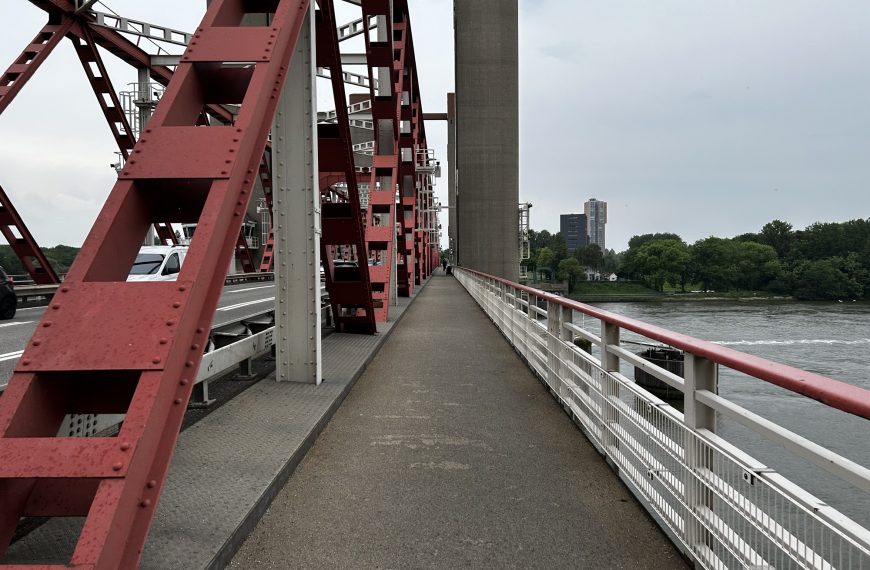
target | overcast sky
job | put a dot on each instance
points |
(699, 118)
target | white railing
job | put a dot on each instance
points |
(721, 507)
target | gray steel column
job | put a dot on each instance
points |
(487, 135)
(297, 219)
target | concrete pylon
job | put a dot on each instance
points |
(487, 136)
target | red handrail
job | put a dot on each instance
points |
(834, 393)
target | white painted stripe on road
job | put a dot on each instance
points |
(248, 289)
(240, 305)
(11, 355)
(15, 323)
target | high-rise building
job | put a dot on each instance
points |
(573, 228)
(596, 217)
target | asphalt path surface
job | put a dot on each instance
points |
(237, 301)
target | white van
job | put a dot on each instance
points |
(158, 263)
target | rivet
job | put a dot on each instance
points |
(55, 306)
(151, 484)
(223, 172)
(145, 503)
(189, 363)
(64, 289)
(155, 360)
(169, 323)
(46, 324)
(177, 401)
(183, 381)
(228, 162)
(125, 446)
(117, 466)
(182, 288)
(200, 330)
(176, 304)
(25, 362)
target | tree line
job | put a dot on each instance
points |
(60, 257)
(825, 261)
(550, 260)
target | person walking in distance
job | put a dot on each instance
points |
(444, 265)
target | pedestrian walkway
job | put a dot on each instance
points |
(448, 453)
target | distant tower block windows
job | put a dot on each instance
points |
(573, 228)
(596, 217)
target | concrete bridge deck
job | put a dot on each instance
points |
(449, 453)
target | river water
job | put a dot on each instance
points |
(831, 339)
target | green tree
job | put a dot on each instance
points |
(778, 235)
(757, 265)
(637, 241)
(823, 280)
(610, 261)
(664, 261)
(590, 256)
(713, 263)
(571, 270)
(545, 261)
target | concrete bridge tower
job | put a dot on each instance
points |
(487, 136)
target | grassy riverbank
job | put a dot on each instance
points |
(604, 291)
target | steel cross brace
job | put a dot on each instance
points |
(25, 247)
(414, 139)
(385, 62)
(350, 289)
(137, 346)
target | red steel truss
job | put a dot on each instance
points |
(386, 62)
(142, 358)
(350, 291)
(23, 244)
(64, 20)
(392, 224)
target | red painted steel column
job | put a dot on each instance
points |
(349, 286)
(108, 346)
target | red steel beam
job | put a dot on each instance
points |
(385, 242)
(142, 358)
(24, 245)
(350, 289)
(36, 52)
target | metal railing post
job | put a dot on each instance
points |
(566, 338)
(700, 374)
(554, 346)
(610, 387)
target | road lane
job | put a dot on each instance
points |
(237, 301)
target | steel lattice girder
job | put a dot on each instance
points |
(384, 59)
(350, 289)
(23, 244)
(137, 346)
